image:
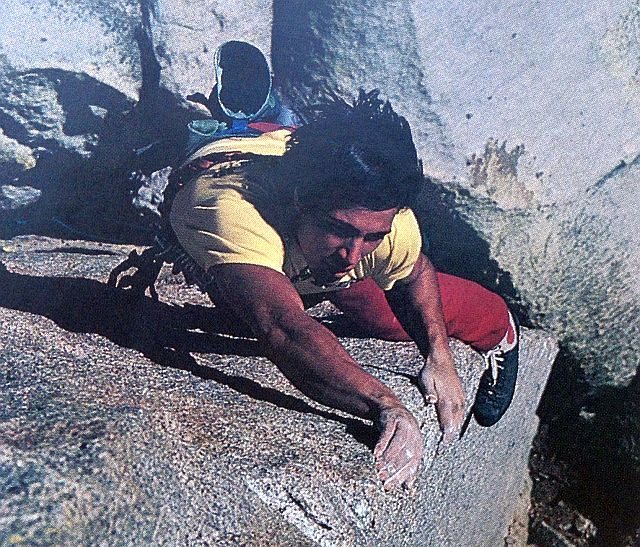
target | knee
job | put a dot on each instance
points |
(472, 313)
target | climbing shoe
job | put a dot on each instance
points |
(498, 382)
(243, 81)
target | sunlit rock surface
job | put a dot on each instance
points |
(85, 86)
(527, 116)
(133, 422)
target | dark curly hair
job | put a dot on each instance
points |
(351, 155)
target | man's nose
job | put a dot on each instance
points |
(352, 250)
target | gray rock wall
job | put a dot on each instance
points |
(545, 89)
(341, 46)
(116, 43)
(143, 424)
(84, 85)
(527, 114)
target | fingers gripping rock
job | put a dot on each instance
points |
(443, 387)
(427, 386)
(398, 453)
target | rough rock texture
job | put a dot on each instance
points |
(122, 44)
(526, 114)
(348, 45)
(86, 85)
(533, 107)
(126, 422)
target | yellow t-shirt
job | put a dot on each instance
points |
(219, 218)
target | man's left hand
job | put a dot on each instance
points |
(441, 385)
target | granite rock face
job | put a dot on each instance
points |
(348, 46)
(574, 268)
(527, 116)
(132, 422)
(85, 86)
(132, 47)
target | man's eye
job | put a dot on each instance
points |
(341, 232)
(370, 238)
(336, 230)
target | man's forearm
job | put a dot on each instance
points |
(311, 357)
(417, 305)
(313, 360)
(306, 352)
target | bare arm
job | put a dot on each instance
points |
(311, 357)
(416, 303)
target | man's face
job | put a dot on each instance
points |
(334, 242)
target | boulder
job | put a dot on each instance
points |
(90, 86)
(135, 422)
(129, 47)
(526, 118)
(480, 101)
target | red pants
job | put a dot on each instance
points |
(472, 314)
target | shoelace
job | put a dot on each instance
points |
(495, 356)
(493, 359)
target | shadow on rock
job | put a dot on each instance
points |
(595, 438)
(87, 147)
(454, 246)
(164, 333)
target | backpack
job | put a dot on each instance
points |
(213, 157)
(243, 106)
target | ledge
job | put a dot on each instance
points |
(124, 422)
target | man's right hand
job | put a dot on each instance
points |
(398, 453)
(314, 361)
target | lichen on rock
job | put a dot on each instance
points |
(496, 173)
